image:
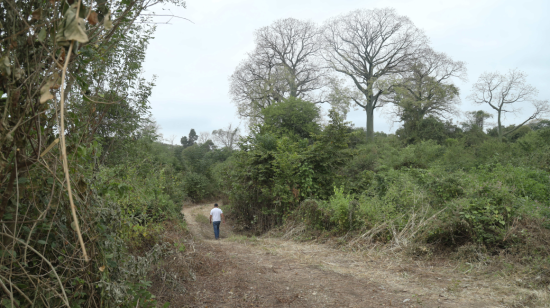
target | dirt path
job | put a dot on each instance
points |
(269, 272)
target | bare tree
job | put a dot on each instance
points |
(203, 137)
(226, 137)
(151, 129)
(170, 140)
(284, 64)
(367, 46)
(425, 88)
(504, 92)
(255, 85)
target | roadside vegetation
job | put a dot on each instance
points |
(462, 195)
(91, 193)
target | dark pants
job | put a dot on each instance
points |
(216, 228)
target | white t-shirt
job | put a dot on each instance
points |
(216, 214)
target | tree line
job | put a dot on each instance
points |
(368, 58)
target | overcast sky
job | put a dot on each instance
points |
(192, 61)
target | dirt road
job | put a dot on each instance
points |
(270, 272)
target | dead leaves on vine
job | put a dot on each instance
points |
(37, 14)
(93, 18)
(52, 82)
(5, 66)
(71, 28)
(108, 22)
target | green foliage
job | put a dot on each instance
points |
(539, 124)
(486, 219)
(195, 185)
(291, 117)
(340, 206)
(474, 192)
(429, 128)
(272, 175)
(121, 189)
(190, 140)
(510, 133)
(198, 163)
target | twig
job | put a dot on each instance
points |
(66, 300)
(172, 16)
(18, 290)
(7, 291)
(91, 100)
(56, 141)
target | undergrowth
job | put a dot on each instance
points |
(487, 204)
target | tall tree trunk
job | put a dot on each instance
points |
(499, 127)
(293, 85)
(370, 112)
(370, 122)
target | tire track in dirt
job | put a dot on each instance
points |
(270, 272)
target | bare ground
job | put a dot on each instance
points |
(239, 271)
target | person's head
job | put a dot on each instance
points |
(215, 205)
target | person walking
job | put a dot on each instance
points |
(216, 216)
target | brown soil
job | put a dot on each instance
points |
(239, 271)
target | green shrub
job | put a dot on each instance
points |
(523, 181)
(373, 211)
(441, 185)
(195, 186)
(313, 215)
(291, 117)
(341, 207)
(458, 157)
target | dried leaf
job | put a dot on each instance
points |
(18, 73)
(102, 268)
(62, 56)
(45, 94)
(60, 37)
(107, 22)
(71, 28)
(5, 65)
(15, 96)
(37, 14)
(41, 35)
(92, 18)
(81, 186)
(56, 81)
(74, 27)
(51, 82)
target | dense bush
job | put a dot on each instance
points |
(270, 176)
(195, 185)
(291, 117)
(446, 193)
